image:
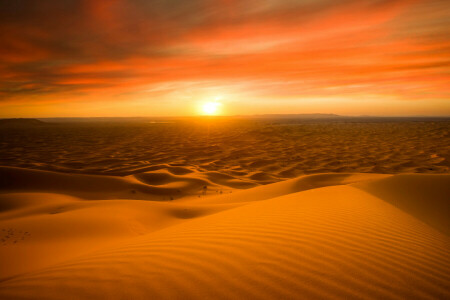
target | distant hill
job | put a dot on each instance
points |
(297, 116)
(21, 122)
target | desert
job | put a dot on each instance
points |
(224, 149)
(225, 209)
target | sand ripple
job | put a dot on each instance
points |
(258, 152)
(335, 241)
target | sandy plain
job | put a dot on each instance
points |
(232, 209)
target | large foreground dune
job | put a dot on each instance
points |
(175, 233)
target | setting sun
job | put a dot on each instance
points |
(211, 108)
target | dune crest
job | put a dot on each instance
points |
(316, 236)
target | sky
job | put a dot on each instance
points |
(87, 58)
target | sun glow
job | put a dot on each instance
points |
(211, 108)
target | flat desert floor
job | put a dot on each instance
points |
(226, 209)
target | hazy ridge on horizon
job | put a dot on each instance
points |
(318, 116)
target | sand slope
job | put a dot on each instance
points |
(318, 236)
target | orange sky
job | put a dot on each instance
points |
(166, 58)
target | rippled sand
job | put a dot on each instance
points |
(256, 151)
(221, 210)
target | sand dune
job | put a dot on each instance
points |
(73, 236)
(407, 192)
(258, 152)
(160, 185)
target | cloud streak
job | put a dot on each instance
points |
(69, 50)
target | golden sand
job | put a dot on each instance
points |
(185, 231)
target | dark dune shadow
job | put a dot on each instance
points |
(426, 197)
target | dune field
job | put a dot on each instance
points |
(236, 209)
(263, 151)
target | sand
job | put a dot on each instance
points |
(260, 152)
(182, 231)
(73, 236)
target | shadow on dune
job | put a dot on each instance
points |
(426, 197)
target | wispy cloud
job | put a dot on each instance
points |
(71, 49)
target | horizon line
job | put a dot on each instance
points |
(323, 115)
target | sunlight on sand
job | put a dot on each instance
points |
(224, 209)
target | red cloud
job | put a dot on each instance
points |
(114, 47)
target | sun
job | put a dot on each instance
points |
(211, 108)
